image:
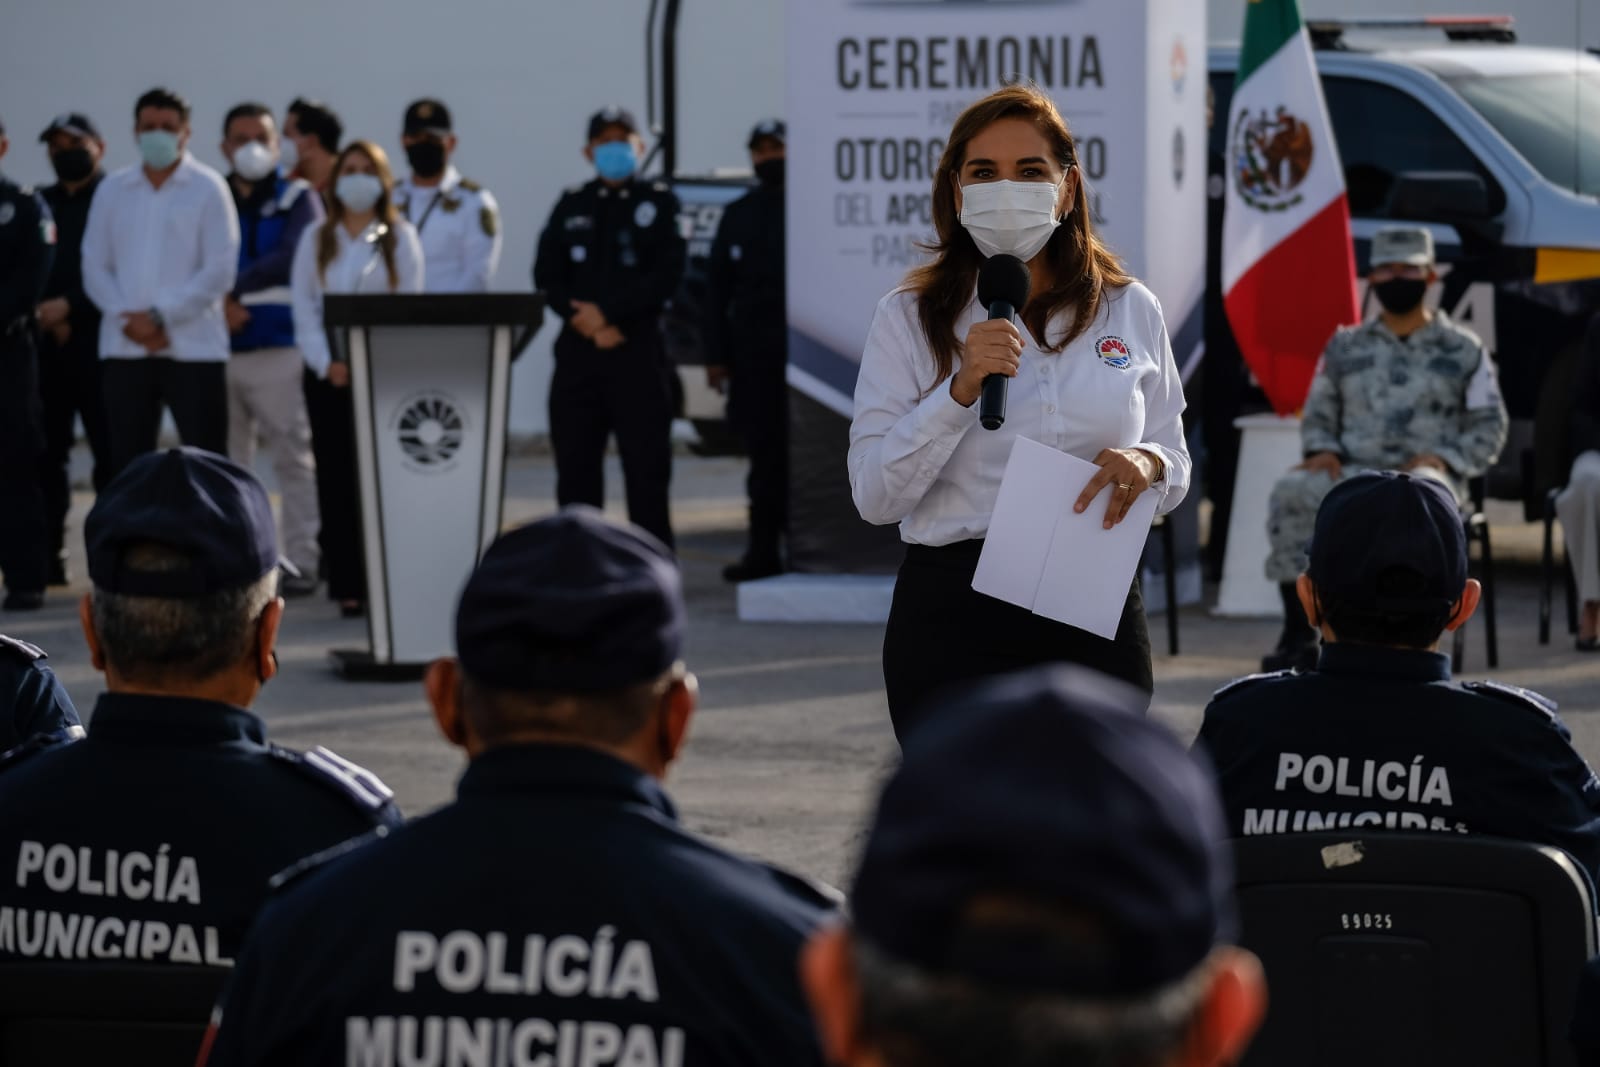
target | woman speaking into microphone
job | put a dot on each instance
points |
(1090, 372)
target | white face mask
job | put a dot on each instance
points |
(358, 192)
(1010, 218)
(289, 155)
(254, 161)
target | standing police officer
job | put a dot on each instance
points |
(747, 346)
(609, 259)
(155, 837)
(27, 242)
(69, 330)
(33, 703)
(1069, 903)
(457, 218)
(1378, 736)
(559, 875)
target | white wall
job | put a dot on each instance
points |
(520, 76)
(1548, 22)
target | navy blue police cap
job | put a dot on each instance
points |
(611, 116)
(1383, 521)
(1049, 788)
(768, 128)
(73, 122)
(206, 506)
(569, 604)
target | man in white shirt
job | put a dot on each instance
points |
(160, 253)
(457, 218)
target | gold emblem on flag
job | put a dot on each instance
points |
(1272, 154)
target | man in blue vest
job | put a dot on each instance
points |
(265, 400)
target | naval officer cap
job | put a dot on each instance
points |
(1051, 789)
(1406, 245)
(1374, 524)
(569, 604)
(203, 505)
(427, 116)
(611, 116)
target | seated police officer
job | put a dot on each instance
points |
(1378, 736)
(153, 840)
(1046, 882)
(556, 908)
(32, 700)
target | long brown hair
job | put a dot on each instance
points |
(383, 211)
(1081, 267)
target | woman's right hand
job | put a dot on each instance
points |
(338, 374)
(993, 347)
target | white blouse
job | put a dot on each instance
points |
(358, 268)
(917, 457)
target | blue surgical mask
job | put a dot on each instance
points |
(159, 149)
(615, 160)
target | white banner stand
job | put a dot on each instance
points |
(1271, 445)
(430, 379)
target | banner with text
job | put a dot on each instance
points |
(873, 89)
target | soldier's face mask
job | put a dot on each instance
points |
(615, 160)
(1008, 218)
(1400, 296)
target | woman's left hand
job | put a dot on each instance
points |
(1129, 472)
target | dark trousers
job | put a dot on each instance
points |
(941, 632)
(135, 389)
(333, 443)
(759, 408)
(69, 387)
(24, 543)
(623, 391)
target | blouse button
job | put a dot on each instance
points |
(1050, 409)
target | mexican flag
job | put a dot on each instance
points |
(1288, 268)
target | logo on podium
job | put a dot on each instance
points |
(430, 428)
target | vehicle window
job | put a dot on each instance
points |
(1553, 119)
(1383, 132)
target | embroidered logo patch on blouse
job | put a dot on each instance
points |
(1114, 351)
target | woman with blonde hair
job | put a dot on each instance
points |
(363, 246)
(1091, 373)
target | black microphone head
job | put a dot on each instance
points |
(1004, 278)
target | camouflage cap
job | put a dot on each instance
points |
(1411, 245)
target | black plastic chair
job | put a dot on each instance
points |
(1392, 950)
(1477, 524)
(1548, 568)
(70, 1013)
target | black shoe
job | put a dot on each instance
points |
(58, 571)
(352, 609)
(20, 601)
(748, 570)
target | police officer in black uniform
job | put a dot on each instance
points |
(154, 838)
(32, 700)
(1046, 881)
(560, 875)
(27, 242)
(747, 346)
(69, 329)
(609, 259)
(1378, 736)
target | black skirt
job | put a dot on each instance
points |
(942, 632)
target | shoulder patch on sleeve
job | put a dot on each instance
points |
(18, 648)
(354, 781)
(811, 890)
(1514, 694)
(1239, 685)
(470, 186)
(317, 860)
(39, 743)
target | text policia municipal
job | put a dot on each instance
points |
(1378, 783)
(569, 967)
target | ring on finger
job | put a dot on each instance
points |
(1128, 486)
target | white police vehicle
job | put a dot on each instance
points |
(1495, 147)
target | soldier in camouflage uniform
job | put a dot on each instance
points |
(1408, 391)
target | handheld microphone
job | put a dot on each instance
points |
(1003, 284)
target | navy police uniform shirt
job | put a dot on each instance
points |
(619, 247)
(1382, 738)
(155, 838)
(32, 701)
(555, 913)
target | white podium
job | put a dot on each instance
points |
(1271, 445)
(430, 378)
